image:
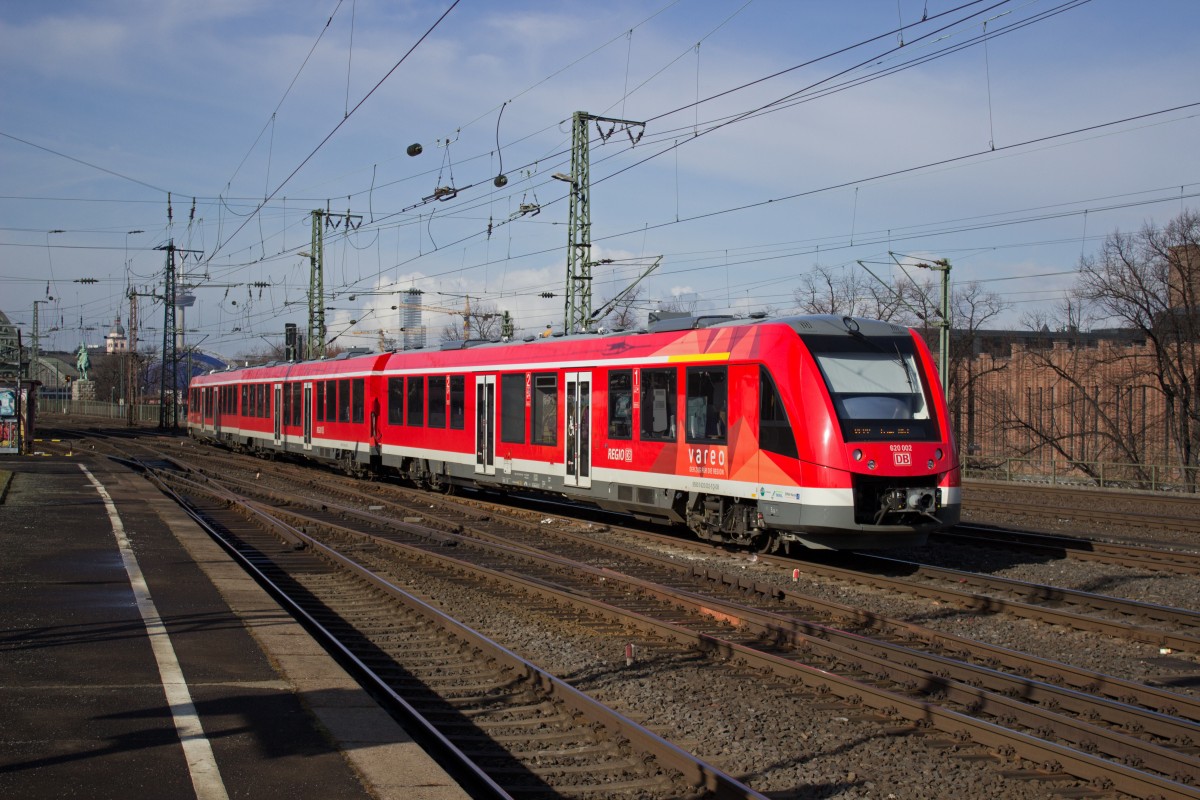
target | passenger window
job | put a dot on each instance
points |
(416, 402)
(330, 401)
(319, 400)
(458, 402)
(545, 409)
(512, 408)
(775, 432)
(395, 401)
(357, 387)
(620, 404)
(344, 401)
(707, 404)
(659, 399)
(437, 402)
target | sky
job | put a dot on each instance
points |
(761, 140)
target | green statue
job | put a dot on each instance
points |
(82, 362)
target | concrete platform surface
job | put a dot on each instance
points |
(160, 669)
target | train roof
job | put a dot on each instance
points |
(807, 325)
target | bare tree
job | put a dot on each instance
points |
(855, 294)
(482, 322)
(972, 309)
(679, 304)
(263, 354)
(1150, 282)
(1082, 399)
(1126, 390)
(624, 315)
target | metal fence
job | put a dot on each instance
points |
(1151, 477)
(98, 409)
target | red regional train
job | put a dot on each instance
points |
(822, 431)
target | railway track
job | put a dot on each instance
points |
(1060, 546)
(1179, 513)
(980, 679)
(1162, 626)
(516, 730)
(765, 640)
(1165, 627)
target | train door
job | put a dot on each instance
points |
(306, 408)
(578, 456)
(485, 424)
(277, 413)
(218, 395)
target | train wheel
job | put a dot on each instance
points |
(439, 483)
(767, 543)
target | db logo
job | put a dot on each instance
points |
(903, 459)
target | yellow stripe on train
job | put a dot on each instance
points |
(697, 357)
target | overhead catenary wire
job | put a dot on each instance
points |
(642, 228)
(596, 238)
(343, 121)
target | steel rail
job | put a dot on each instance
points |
(1132, 556)
(712, 781)
(1035, 601)
(1051, 672)
(777, 627)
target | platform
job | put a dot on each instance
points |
(160, 669)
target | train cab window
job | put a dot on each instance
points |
(358, 399)
(512, 408)
(774, 431)
(458, 402)
(659, 401)
(876, 385)
(395, 389)
(620, 404)
(707, 404)
(343, 400)
(437, 402)
(416, 402)
(545, 409)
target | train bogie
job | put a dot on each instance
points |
(824, 432)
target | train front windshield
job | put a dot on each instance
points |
(876, 386)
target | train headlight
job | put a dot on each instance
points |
(871, 464)
(937, 454)
(857, 455)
